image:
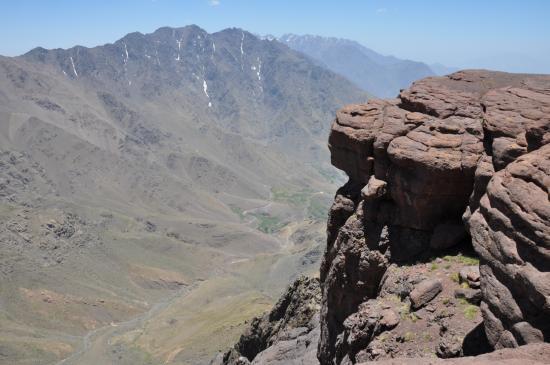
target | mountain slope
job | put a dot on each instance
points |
(149, 183)
(384, 76)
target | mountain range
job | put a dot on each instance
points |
(384, 76)
(156, 192)
(159, 191)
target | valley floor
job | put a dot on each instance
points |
(158, 299)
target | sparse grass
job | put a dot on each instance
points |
(455, 277)
(405, 311)
(470, 312)
(297, 198)
(317, 205)
(464, 285)
(394, 298)
(409, 336)
(446, 300)
(462, 259)
(463, 301)
(331, 175)
(406, 314)
(237, 210)
(317, 209)
(210, 325)
(427, 337)
(434, 266)
(447, 266)
(135, 355)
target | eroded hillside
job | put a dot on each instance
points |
(152, 192)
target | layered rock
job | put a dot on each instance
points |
(469, 147)
(511, 233)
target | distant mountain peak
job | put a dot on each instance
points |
(380, 74)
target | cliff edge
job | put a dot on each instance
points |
(439, 243)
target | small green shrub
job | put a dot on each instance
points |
(269, 224)
(470, 312)
(462, 259)
(409, 336)
(404, 311)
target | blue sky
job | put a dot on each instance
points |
(500, 34)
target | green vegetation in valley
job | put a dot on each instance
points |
(268, 223)
(331, 174)
(237, 210)
(297, 198)
(316, 204)
(317, 209)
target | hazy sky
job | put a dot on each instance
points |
(512, 35)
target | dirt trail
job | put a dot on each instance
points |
(95, 343)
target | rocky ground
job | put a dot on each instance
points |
(425, 309)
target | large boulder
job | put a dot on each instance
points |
(424, 292)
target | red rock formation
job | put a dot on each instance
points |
(472, 143)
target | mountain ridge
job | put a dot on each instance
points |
(382, 75)
(121, 189)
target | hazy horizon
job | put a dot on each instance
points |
(506, 36)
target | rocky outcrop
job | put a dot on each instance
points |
(511, 233)
(452, 158)
(286, 335)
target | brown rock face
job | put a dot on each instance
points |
(469, 147)
(511, 233)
